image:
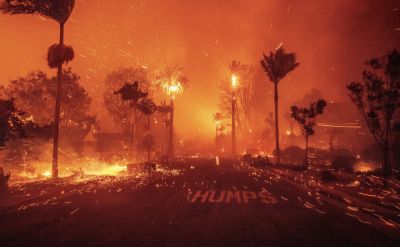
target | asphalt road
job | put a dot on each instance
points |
(199, 204)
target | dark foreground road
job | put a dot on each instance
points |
(196, 204)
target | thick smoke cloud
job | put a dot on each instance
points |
(331, 38)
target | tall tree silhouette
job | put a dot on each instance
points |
(306, 118)
(121, 93)
(35, 94)
(148, 108)
(378, 100)
(219, 126)
(277, 66)
(165, 109)
(250, 94)
(174, 80)
(58, 54)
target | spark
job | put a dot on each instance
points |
(347, 200)
(73, 212)
(355, 209)
(340, 126)
(319, 211)
(388, 222)
(279, 46)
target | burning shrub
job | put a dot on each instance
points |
(59, 54)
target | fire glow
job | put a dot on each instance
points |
(91, 167)
(364, 167)
(173, 88)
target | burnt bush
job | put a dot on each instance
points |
(344, 162)
(327, 176)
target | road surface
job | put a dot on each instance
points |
(196, 203)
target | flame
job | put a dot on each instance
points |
(104, 169)
(87, 167)
(234, 81)
(46, 174)
(173, 88)
(364, 167)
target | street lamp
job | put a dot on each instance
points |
(172, 89)
(234, 85)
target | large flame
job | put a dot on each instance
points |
(173, 88)
(39, 171)
(234, 81)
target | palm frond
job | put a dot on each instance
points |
(235, 66)
(58, 10)
(277, 65)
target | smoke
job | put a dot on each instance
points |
(331, 39)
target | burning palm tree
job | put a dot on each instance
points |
(235, 67)
(173, 80)
(148, 108)
(278, 65)
(58, 54)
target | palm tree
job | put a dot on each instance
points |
(165, 109)
(148, 108)
(235, 67)
(174, 81)
(58, 10)
(218, 117)
(277, 65)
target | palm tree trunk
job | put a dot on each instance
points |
(171, 131)
(233, 124)
(166, 134)
(148, 130)
(216, 137)
(306, 152)
(278, 151)
(386, 160)
(57, 111)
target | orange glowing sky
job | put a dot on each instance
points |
(331, 38)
